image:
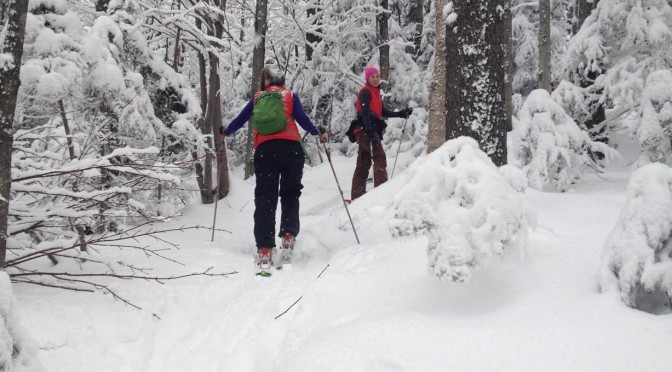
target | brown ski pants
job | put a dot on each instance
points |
(364, 160)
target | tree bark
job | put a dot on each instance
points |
(508, 65)
(475, 89)
(417, 18)
(204, 172)
(544, 73)
(258, 57)
(436, 132)
(384, 43)
(66, 128)
(215, 109)
(9, 88)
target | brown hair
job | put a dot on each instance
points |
(265, 78)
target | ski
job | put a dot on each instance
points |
(264, 273)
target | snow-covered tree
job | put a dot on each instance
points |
(470, 209)
(655, 117)
(619, 45)
(637, 258)
(525, 30)
(86, 140)
(548, 145)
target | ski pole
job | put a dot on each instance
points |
(219, 185)
(403, 130)
(326, 150)
(319, 153)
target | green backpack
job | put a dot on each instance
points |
(268, 115)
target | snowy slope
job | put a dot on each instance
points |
(374, 308)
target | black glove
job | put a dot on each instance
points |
(405, 113)
(222, 131)
(321, 130)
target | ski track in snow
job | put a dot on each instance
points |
(375, 308)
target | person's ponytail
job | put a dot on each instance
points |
(265, 78)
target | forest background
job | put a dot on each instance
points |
(110, 108)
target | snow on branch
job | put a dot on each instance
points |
(655, 115)
(470, 209)
(637, 257)
(549, 146)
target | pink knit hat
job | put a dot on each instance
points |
(368, 71)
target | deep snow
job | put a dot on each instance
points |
(374, 308)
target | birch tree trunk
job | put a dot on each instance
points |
(12, 47)
(258, 56)
(475, 89)
(436, 131)
(544, 74)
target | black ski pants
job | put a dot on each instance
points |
(278, 164)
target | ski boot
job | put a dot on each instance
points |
(286, 248)
(264, 261)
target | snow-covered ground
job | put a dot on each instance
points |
(374, 308)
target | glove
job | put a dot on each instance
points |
(322, 137)
(222, 131)
(405, 113)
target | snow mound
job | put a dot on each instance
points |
(470, 209)
(17, 351)
(637, 258)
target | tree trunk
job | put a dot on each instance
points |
(544, 74)
(384, 44)
(66, 128)
(258, 56)
(203, 172)
(417, 18)
(475, 89)
(582, 10)
(215, 109)
(436, 132)
(508, 65)
(9, 88)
